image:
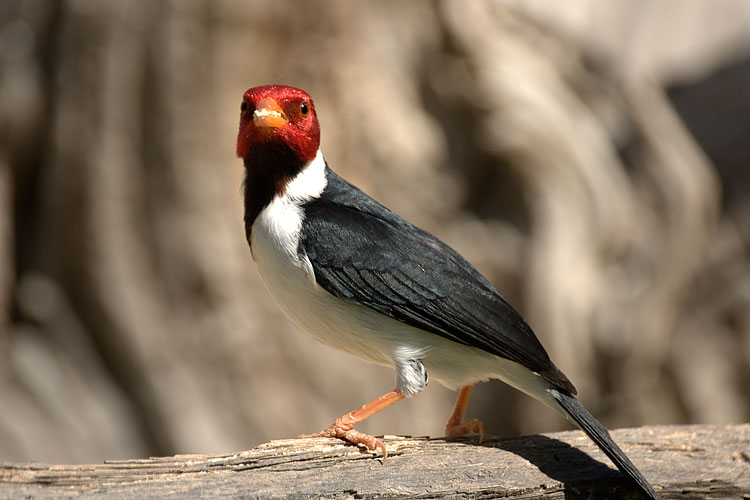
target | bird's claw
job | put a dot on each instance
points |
(461, 429)
(343, 431)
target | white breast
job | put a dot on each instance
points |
(290, 281)
(349, 327)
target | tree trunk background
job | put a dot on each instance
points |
(591, 160)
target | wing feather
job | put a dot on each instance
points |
(364, 253)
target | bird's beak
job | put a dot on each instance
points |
(268, 114)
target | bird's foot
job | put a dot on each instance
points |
(456, 429)
(342, 429)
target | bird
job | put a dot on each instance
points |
(359, 278)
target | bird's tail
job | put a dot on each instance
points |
(596, 431)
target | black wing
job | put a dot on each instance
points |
(364, 253)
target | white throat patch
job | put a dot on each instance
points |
(276, 230)
(310, 182)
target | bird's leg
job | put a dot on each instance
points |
(456, 426)
(343, 427)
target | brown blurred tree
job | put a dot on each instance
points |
(131, 318)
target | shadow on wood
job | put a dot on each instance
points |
(686, 462)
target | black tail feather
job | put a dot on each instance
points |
(599, 434)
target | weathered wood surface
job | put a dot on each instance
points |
(686, 462)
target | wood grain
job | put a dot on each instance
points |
(686, 462)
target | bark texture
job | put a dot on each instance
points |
(688, 462)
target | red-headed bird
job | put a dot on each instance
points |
(360, 279)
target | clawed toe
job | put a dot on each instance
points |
(351, 435)
(369, 442)
(472, 426)
(343, 427)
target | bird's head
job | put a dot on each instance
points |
(278, 116)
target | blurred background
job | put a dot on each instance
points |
(591, 158)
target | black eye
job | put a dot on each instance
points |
(304, 109)
(243, 106)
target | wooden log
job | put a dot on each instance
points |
(685, 462)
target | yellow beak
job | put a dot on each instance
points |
(269, 114)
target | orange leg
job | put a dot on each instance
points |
(343, 427)
(456, 426)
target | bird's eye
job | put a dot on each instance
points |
(304, 109)
(243, 106)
